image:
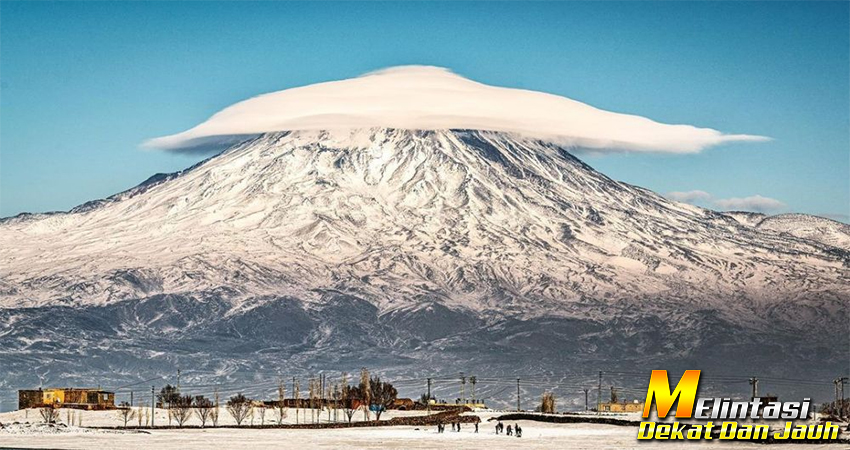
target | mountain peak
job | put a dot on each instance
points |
(469, 216)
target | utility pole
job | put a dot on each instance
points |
(428, 400)
(295, 397)
(754, 382)
(518, 408)
(585, 399)
(835, 396)
(131, 399)
(599, 394)
(473, 380)
(839, 394)
(153, 404)
(462, 386)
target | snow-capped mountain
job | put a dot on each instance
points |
(474, 219)
(446, 249)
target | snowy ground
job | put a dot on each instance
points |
(30, 434)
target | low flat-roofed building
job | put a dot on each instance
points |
(80, 398)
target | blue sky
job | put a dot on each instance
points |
(83, 84)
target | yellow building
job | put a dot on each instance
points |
(83, 398)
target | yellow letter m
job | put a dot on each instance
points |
(659, 389)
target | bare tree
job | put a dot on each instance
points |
(203, 408)
(382, 395)
(345, 398)
(239, 407)
(315, 390)
(365, 393)
(49, 414)
(336, 394)
(280, 405)
(139, 413)
(125, 412)
(547, 403)
(181, 409)
(216, 410)
(328, 395)
(350, 400)
(261, 410)
(167, 395)
(297, 399)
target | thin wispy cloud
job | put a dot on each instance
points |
(754, 203)
(689, 196)
(429, 98)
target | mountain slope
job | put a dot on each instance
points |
(493, 240)
(810, 227)
(745, 217)
(457, 211)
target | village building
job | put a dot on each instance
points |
(403, 404)
(79, 398)
(622, 407)
(445, 406)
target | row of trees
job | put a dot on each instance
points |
(370, 394)
(181, 408)
(838, 408)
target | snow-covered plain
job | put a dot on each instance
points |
(536, 435)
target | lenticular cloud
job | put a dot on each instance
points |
(428, 98)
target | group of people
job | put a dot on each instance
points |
(441, 427)
(516, 430)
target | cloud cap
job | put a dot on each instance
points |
(430, 98)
